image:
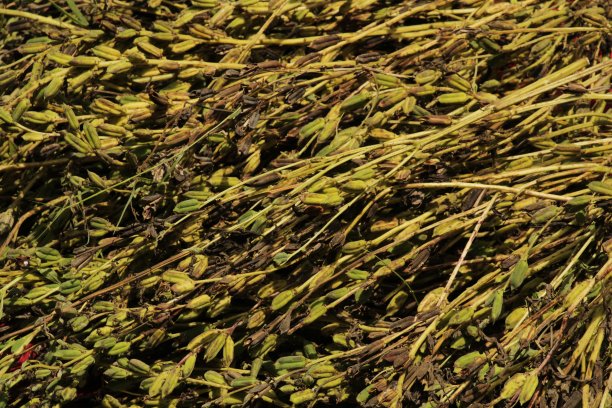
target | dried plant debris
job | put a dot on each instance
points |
(305, 203)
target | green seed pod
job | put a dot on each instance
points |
(138, 366)
(529, 387)
(119, 348)
(301, 397)
(215, 378)
(290, 363)
(243, 382)
(53, 87)
(516, 316)
(601, 187)
(282, 299)
(20, 109)
(462, 316)
(427, 76)
(453, 98)
(79, 323)
(545, 214)
(355, 102)
(512, 386)
(469, 359)
(215, 346)
(188, 365)
(519, 273)
(498, 301)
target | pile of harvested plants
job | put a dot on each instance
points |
(260, 203)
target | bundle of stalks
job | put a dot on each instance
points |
(279, 203)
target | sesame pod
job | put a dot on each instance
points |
(579, 201)
(215, 347)
(386, 80)
(37, 118)
(148, 48)
(315, 313)
(567, 149)
(337, 293)
(188, 365)
(356, 274)
(301, 397)
(112, 130)
(69, 286)
(138, 366)
(453, 98)
(397, 302)
(171, 381)
(106, 52)
(515, 317)
(355, 246)
(53, 87)
(198, 302)
(322, 371)
(577, 294)
(215, 378)
(75, 83)
(33, 47)
(79, 323)
(392, 98)
(116, 373)
(119, 67)
(529, 387)
(119, 348)
(498, 301)
(20, 109)
(290, 363)
(545, 214)
(458, 82)
(91, 134)
(321, 199)
(491, 84)
(462, 316)
(601, 187)
(202, 339)
(489, 45)
(518, 274)
(111, 402)
(68, 354)
(187, 206)
(84, 61)
(48, 254)
(427, 76)
(282, 299)
(105, 106)
(165, 36)
(78, 144)
(228, 352)
(355, 186)
(355, 102)
(486, 97)
(157, 384)
(80, 367)
(59, 58)
(469, 359)
(223, 182)
(96, 180)
(514, 384)
(311, 128)
(243, 382)
(326, 383)
(73, 122)
(183, 46)
(173, 276)
(105, 343)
